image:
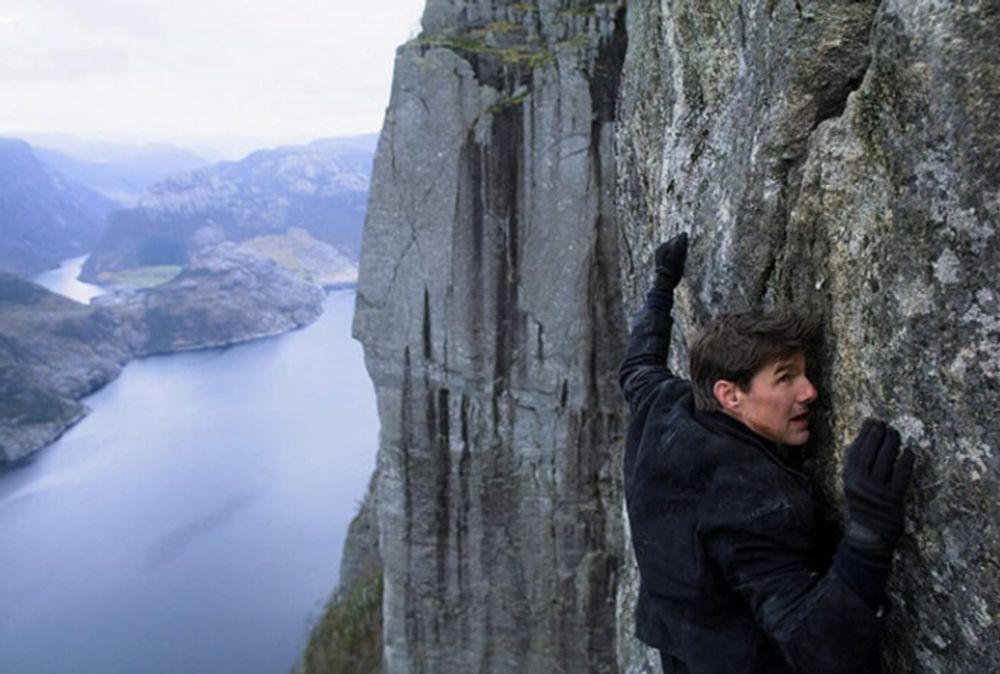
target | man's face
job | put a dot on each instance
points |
(777, 404)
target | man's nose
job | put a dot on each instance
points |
(807, 393)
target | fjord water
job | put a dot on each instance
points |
(193, 522)
(65, 281)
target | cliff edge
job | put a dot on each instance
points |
(488, 311)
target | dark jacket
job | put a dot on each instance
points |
(734, 576)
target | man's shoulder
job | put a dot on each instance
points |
(672, 392)
(685, 428)
(677, 441)
(748, 484)
(680, 446)
(738, 476)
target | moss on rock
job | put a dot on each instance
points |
(348, 637)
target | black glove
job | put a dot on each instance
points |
(669, 258)
(875, 485)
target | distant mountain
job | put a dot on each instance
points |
(44, 216)
(321, 188)
(365, 143)
(100, 151)
(125, 177)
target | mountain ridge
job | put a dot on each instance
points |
(46, 217)
(320, 187)
(125, 179)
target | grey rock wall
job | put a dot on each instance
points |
(488, 309)
(839, 156)
(844, 157)
(361, 559)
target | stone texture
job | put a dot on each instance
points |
(843, 157)
(487, 281)
(361, 559)
(839, 156)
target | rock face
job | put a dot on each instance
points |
(361, 556)
(489, 316)
(54, 351)
(842, 157)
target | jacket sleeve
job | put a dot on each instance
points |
(645, 363)
(766, 552)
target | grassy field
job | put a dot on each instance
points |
(146, 277)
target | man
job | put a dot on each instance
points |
(733, 573)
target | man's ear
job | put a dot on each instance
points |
(728, 395)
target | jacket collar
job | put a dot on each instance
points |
(723, 424)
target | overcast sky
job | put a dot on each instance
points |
(199, 71)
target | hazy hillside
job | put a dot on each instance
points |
(103, 151)
(44, 216)
(321, 188)
(123, 178)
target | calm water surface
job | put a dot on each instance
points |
(193, 523)
(64, 281)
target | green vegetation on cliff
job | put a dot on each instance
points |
(348, 637)
(507, 42)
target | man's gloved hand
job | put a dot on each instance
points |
(669, 258)
(875, 485)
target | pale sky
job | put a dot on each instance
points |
(199, 71)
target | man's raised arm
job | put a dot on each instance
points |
(645, 363)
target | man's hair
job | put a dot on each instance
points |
(735, 347)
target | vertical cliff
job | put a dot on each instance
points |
(844, 157)
(839, 156)
(488, 306)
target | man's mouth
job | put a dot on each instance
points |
(801, 418)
